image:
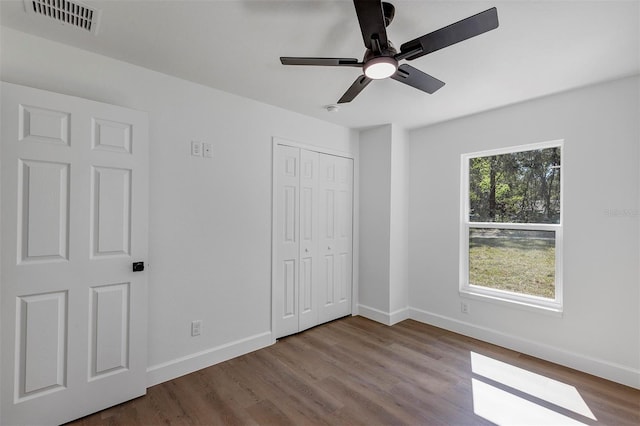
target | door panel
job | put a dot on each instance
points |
(73, 317)
(336, 245)
(289, 288)
(329, 212)
(306, 285)
(111, 136)
(43, 186)
(43, 125)
(329, 272)
(309, 240)
(312, 239)
(109, 327)
(344, 272)
(41, 353)
(110, 211)
(286, 236)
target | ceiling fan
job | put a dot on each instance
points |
(381, 58)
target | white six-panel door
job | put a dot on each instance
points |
(74, 180)
(312, 279)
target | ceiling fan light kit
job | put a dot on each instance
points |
(380, 67)
(381, 60)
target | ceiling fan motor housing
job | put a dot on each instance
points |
(389, 51)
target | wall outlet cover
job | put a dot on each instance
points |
(196, 328)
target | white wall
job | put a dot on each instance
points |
(384, 173)
(375, 213)
(210, 220)
(399, 224)
(599, 331)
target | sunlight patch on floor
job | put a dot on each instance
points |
(502, 407)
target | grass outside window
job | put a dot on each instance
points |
(515, 261)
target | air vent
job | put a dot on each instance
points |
(66, 12)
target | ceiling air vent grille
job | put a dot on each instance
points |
(66, 12)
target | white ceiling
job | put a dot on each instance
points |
(540, 47)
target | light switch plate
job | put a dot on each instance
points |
(207, 150)
(196, 148)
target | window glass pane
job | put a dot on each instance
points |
(518, 187)
(520, 261)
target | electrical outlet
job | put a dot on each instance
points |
(464, 307)
(196, 148)
(196, 328)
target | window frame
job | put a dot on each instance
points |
(504, 296)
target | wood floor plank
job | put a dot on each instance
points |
(267, 413)
(354, 371)
(363, 403)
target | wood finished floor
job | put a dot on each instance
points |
(355, 371)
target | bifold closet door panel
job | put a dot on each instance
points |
(308, 277)
(336, 236)
(287, 241)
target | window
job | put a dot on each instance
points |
(511, 225)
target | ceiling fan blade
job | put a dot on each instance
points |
(330, 62)
(451, 34)
(353, 91)
(371, 19)
(415, 78)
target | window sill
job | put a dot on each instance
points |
(527, 306)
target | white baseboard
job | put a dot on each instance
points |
(388, 318)
(618, 373)
(188, 364)
(598, 367)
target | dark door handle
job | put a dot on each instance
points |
(138, 266)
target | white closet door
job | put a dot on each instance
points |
(74, 218)
(335, 236)
(308, 239)
(312, 278)
(287, 241)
